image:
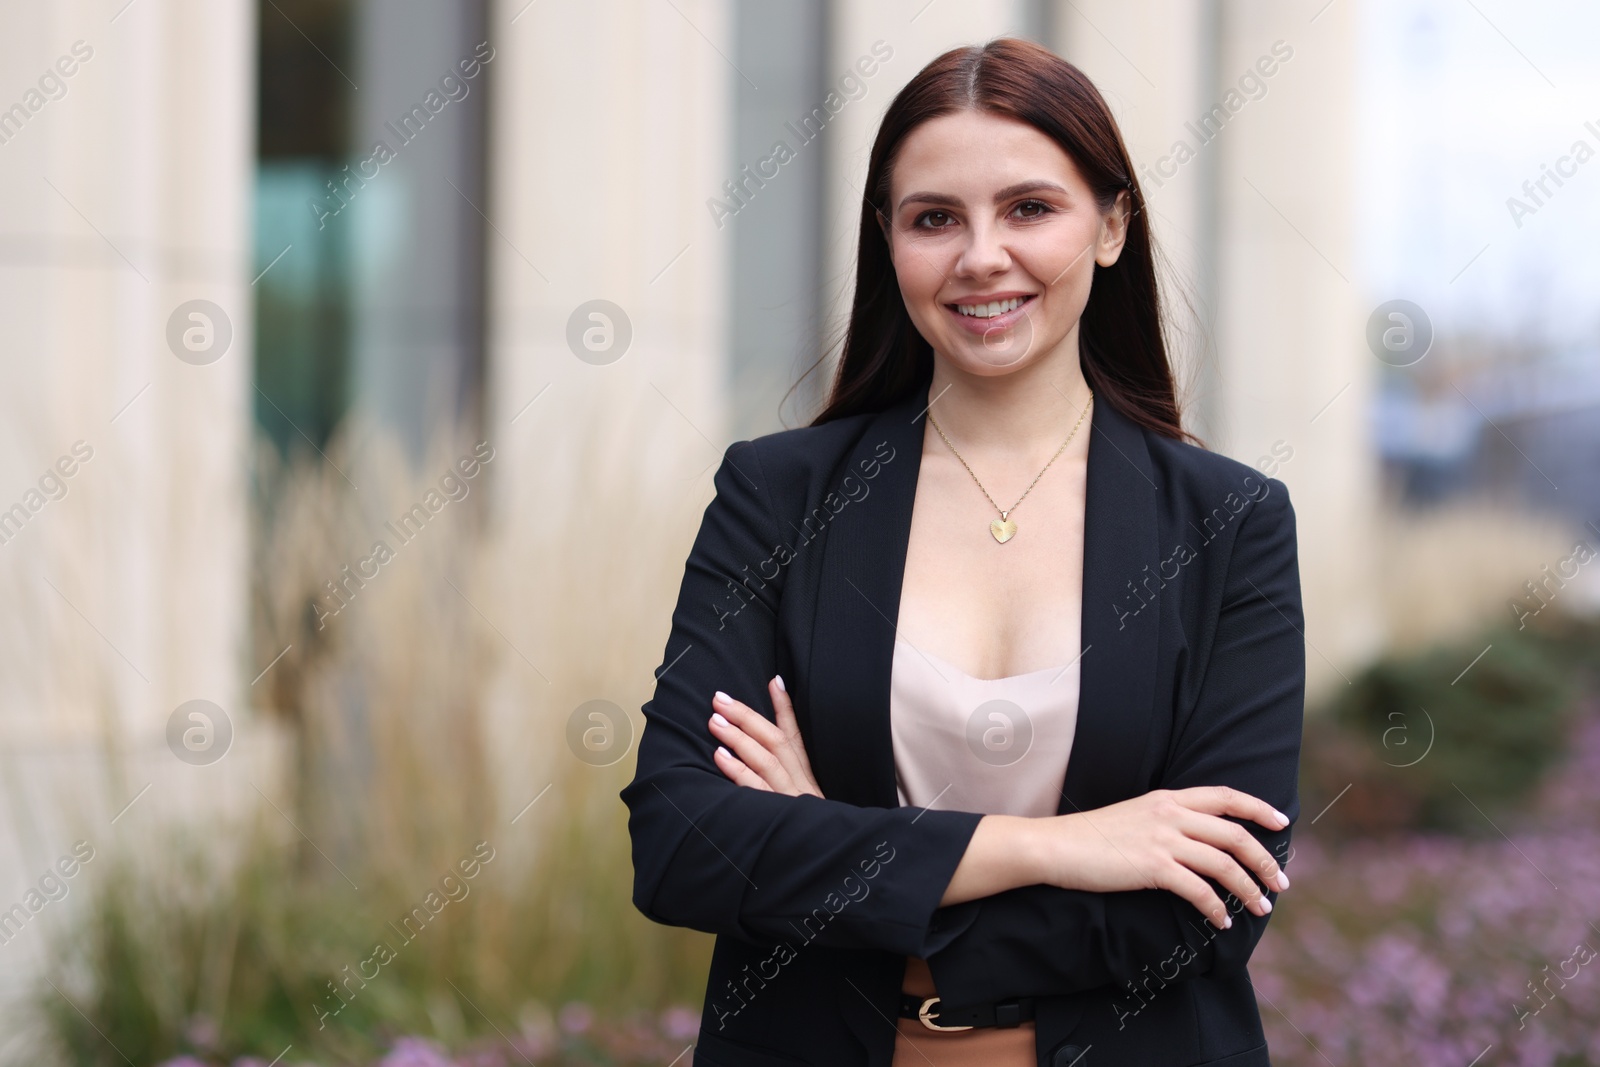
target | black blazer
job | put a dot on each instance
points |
(1193, 673)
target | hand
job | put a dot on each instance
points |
(763, 755)
(1167, 839)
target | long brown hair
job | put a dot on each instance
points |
(1121, 347)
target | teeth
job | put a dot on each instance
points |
(990, 310)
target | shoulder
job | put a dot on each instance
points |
(1206, 497)
(1195, 480)
(805, 447)
(790, 466)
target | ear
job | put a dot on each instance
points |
(1114, 230)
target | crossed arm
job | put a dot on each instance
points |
(998, 905)
(1158, 840)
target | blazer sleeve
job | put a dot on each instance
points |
(732, 860)
(1244, 732)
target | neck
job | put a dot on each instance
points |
(1017, 415)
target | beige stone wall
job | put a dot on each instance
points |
(603, 467)
(119, 200)
(1285, 359)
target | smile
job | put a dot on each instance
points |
(992, 309)
(991, 318)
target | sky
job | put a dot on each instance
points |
(1462, 101)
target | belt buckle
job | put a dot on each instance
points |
(926, 1014)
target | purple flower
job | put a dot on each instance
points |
(201, 1032)
(680, 1024)
(576, 1017)
(1423, 951)
(415, 1052)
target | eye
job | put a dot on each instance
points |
(922, 220)
(1042, 209)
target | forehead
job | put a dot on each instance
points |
(969, 153)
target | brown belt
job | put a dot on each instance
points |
(932, 1013)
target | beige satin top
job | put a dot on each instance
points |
(993, 745)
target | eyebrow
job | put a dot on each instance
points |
(945, 199)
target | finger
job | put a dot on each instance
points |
(753, 754)
(1237, 840)
(787, 722)
(791, 728)
(749, 720)
(766, 733)
(734, 768)
(1221, 867)
(1234, 838)
(1225, 800)
(1185, 883)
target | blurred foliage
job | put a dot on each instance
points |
(1426, 742)
(194, 960)
(240, 940)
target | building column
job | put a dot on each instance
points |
(610, 128)
(1239, 118)
(125, 171)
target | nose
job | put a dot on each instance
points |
(985, 253)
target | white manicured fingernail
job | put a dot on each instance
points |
(724, 752)
(716, 717)
(779, 679)
(1266, 905)
(719, 697)
(1281, 816)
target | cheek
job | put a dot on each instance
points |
(1064, 261)
(917, 269)
(921, 271)
(1067, 268)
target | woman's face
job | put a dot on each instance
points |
(994, 236)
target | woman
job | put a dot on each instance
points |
(923, 761)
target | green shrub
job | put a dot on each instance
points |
(1426, 741)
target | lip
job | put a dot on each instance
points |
(982, 327)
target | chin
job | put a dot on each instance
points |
(990, 364)
(1009, 351)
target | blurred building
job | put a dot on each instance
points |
(235, 217)
(1525, 428)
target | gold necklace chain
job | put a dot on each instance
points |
(1004, 528)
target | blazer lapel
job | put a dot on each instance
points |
(1117, 671)
(858, 603)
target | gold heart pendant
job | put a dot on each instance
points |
(1003, 530)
